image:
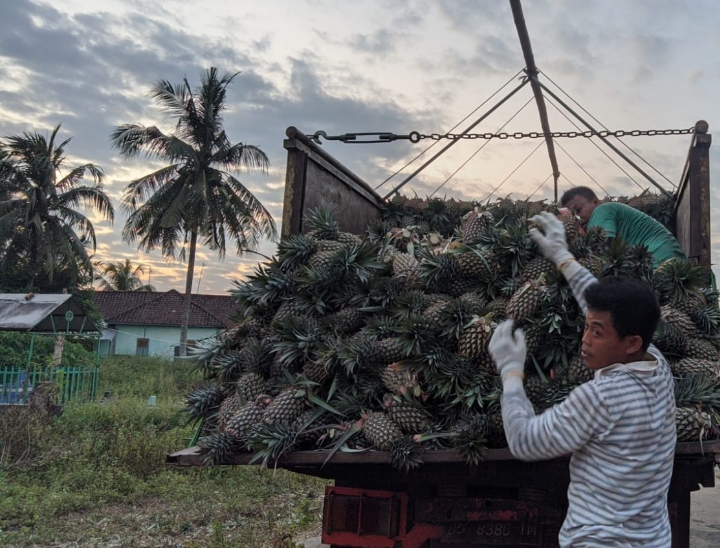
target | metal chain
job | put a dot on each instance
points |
(414, 136)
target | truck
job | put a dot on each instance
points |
(447, 502)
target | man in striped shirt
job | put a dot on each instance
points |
(619, 427)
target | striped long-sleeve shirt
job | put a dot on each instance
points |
(620, 429)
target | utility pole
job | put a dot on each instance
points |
(532, 72)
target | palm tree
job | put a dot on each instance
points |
(193, 195)
(122, 276)
(45, 242)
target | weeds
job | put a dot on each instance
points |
(95, 476)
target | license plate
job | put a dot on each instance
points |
(492, 533)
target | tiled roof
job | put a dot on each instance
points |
(154, 308)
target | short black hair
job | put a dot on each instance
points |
(582, 191)
(633, 306)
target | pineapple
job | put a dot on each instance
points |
(537, 267)
(286, 407)
(240, 423)
(496, 431)
(701, 349)
(218, 448)
(577, 371)
(470, 439)
(407, 266)
(228, 408)
(249, 386)
(692, 424)
(475, 337)
(345, 321)
(409, 416)
(473, 225)
(381, 430)
(526, 300)
(693, 366)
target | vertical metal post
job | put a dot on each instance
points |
(532, 72)
(30, 351)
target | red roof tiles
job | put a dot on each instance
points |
(155, 308)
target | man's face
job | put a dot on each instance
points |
(582, 207)
(601, 345)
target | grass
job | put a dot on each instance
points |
(95, 476)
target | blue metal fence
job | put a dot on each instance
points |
(73, 383)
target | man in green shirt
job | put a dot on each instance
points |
(619, 220)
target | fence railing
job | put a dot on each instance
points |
(73, 383)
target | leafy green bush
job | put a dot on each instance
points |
(15, 346)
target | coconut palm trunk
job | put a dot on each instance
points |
(193, 196)
(187, 304)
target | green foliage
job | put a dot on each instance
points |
(15, 346)
(96, 475)
(45, 242)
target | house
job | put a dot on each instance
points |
(143, 323)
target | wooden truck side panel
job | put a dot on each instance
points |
(315, 178)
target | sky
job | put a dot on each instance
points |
(371, 66)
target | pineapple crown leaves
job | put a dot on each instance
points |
(417, 334)
(357, 261)
(256, 355)
(438, 270)
(406, 454)
(271, 442)
(516, 248)
(707, 319)
(202, 402)
(323, 223)
(384, 291)
(264, 286)
(349, 431)
(457, 316)
(470, 440)
(355, 354)
(295, 250)
(393, 211)
(678, 278)
(412, 301)
(380, 326)
(204, 353)
(228, 367)
(698, 389)
(297, 336)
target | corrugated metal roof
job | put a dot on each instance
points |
(46, 313)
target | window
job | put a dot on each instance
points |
(142, 347)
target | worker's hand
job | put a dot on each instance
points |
(551, 240)
(508, 350)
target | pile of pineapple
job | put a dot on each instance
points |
(381, 341)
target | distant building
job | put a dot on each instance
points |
(143, 323)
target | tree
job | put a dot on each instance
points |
(45, 243)
(122, 276)
(193, 196)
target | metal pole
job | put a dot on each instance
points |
(454, 141)
(532, 72)
(604, 139)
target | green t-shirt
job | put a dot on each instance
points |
(636, 228)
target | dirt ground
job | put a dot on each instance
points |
(704, 519)
(705, 516)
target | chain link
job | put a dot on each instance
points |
(415, 137)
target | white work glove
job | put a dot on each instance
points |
(508, 350)
(551, 240)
